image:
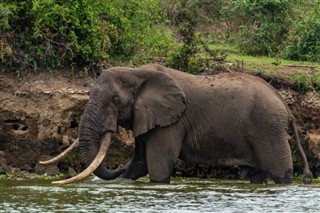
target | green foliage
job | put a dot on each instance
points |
(3, 177)
(51, 34)
(201, 58)
(304, 38)
(260, 27)
(52, 177)
(48, 34)
(136, 26)
(307, 82)
(155, 46)
(193, 54)
(204, 62)
(186, 20)
(18, 175)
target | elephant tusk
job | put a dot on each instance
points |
(94, 164)
(61, 155)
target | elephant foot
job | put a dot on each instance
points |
(287, 179)
(307, 176)
(259, 177)
(135, 169)
(164, 181)
(256, 176)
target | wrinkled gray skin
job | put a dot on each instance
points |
(226, 119)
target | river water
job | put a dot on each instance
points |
(182, 195)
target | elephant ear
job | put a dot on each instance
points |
(160, 102)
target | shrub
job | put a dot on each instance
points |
(186, 19)
(138, 30)
(304, 39)
(52, 34)
(49, 34)
(260, 27)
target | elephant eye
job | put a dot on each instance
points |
(116, 100)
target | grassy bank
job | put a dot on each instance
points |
(305, 75)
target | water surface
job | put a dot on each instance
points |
(183, 195)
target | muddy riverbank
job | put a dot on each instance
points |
(39, 117)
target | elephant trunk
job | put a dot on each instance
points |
(94, 164)
(89, 150)
(90, 134)
(94, 144)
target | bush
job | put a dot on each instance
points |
(186, 19)
(51, 34)
(304, 39)
(260, 27)
(138, 30)
(48, 34)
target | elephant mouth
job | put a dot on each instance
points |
(104, 146)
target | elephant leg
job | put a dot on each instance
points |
(256, 176)
(137, 166)
(163, 149)
(275, 158)
(287, 178)
(281, 170)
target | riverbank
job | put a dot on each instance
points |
(40, 113)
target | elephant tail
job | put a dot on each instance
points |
(307, 175)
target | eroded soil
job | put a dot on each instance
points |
(39, 116)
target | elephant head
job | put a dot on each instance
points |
(137, 99)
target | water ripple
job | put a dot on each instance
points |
(180, 196)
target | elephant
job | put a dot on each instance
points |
(227, 119)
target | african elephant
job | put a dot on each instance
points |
(227, 119)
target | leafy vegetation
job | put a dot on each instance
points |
(303, 42)
(194, 36)
(286, 28)
(23, 175)
(49, 34)
(260, 26)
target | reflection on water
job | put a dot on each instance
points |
(195, 195)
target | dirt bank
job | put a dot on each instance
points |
(39, 116)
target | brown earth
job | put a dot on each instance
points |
(39, 116)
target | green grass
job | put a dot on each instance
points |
(306, 75)
(254, 61)
(23, 175)
(224, 47)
